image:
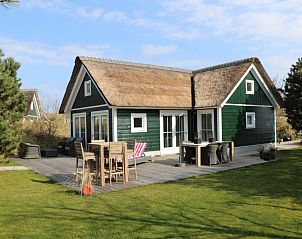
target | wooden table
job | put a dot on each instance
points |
(100, 162)
(198, 150)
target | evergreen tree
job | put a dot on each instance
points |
(12, 106)
(7, 3)
(293, 95)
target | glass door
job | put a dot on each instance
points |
(206, 125)
(99, 126)
(167, 131)
(79, 126)
(173, 131)
(180, 129)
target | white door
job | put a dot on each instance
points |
(99, 125)
(205, 124)
(79, 126)
(173, 131)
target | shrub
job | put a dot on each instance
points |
(45, 132)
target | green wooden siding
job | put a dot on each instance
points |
(240, 96)
(234, 125)
(85, 101)
(152, 136)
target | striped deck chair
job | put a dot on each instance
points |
(139, 150)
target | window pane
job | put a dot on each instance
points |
(249, 119)
(177, 123)
(170, 123)
(209, 121)
(249, 86)
(203, 121)
(104, 127)
(76, 127)
(82, 129)
(96, 128)
(165, 123)
(138, 122)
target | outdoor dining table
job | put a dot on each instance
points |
(198, 148)
(100, 161)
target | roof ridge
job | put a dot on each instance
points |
(129, 63)
(31, 89)
(228, 64)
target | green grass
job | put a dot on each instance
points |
(262, 201)
(8, 162)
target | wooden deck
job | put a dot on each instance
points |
(60, 170)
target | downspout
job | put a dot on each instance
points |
(193, 106)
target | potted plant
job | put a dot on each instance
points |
(260, 150)
(273, 151)
(267, 152)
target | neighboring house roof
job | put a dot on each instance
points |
(29, 95)
(127, 84)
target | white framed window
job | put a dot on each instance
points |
(138, 122)
(249, 86)
(87, 88)
(250, 120)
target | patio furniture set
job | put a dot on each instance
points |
(105, 160)
(206, 153)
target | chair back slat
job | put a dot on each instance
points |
(115, 149)
(139, 149)
(79, 150)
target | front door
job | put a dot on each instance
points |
(173, 131)
(99, 125)
(79, 126)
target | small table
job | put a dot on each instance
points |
(49, 152)
(100, 161)
(197, 148)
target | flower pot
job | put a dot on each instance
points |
(273, 154)
(266, 156)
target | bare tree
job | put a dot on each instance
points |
(8, 3)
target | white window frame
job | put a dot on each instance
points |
(199, 125)
(249, 92)
(142, 129)
(253, 125)
(87, 85)
(76, 115)
(100, 114)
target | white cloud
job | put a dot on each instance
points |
(95, 13)
(38, 53)
(263, 20)
(115, 15)
(72, 9)
(151, 50)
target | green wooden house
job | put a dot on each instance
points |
(115, 100)
(33, 109)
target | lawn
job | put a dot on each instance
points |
(8, 162)
(262, 201)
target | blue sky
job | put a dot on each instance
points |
(45, 36)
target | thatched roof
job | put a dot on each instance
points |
(127, 84)
(29, 96)
(214, 84)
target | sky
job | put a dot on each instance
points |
(45, 36)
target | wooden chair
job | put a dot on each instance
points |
(115, 155)
(83, 172)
